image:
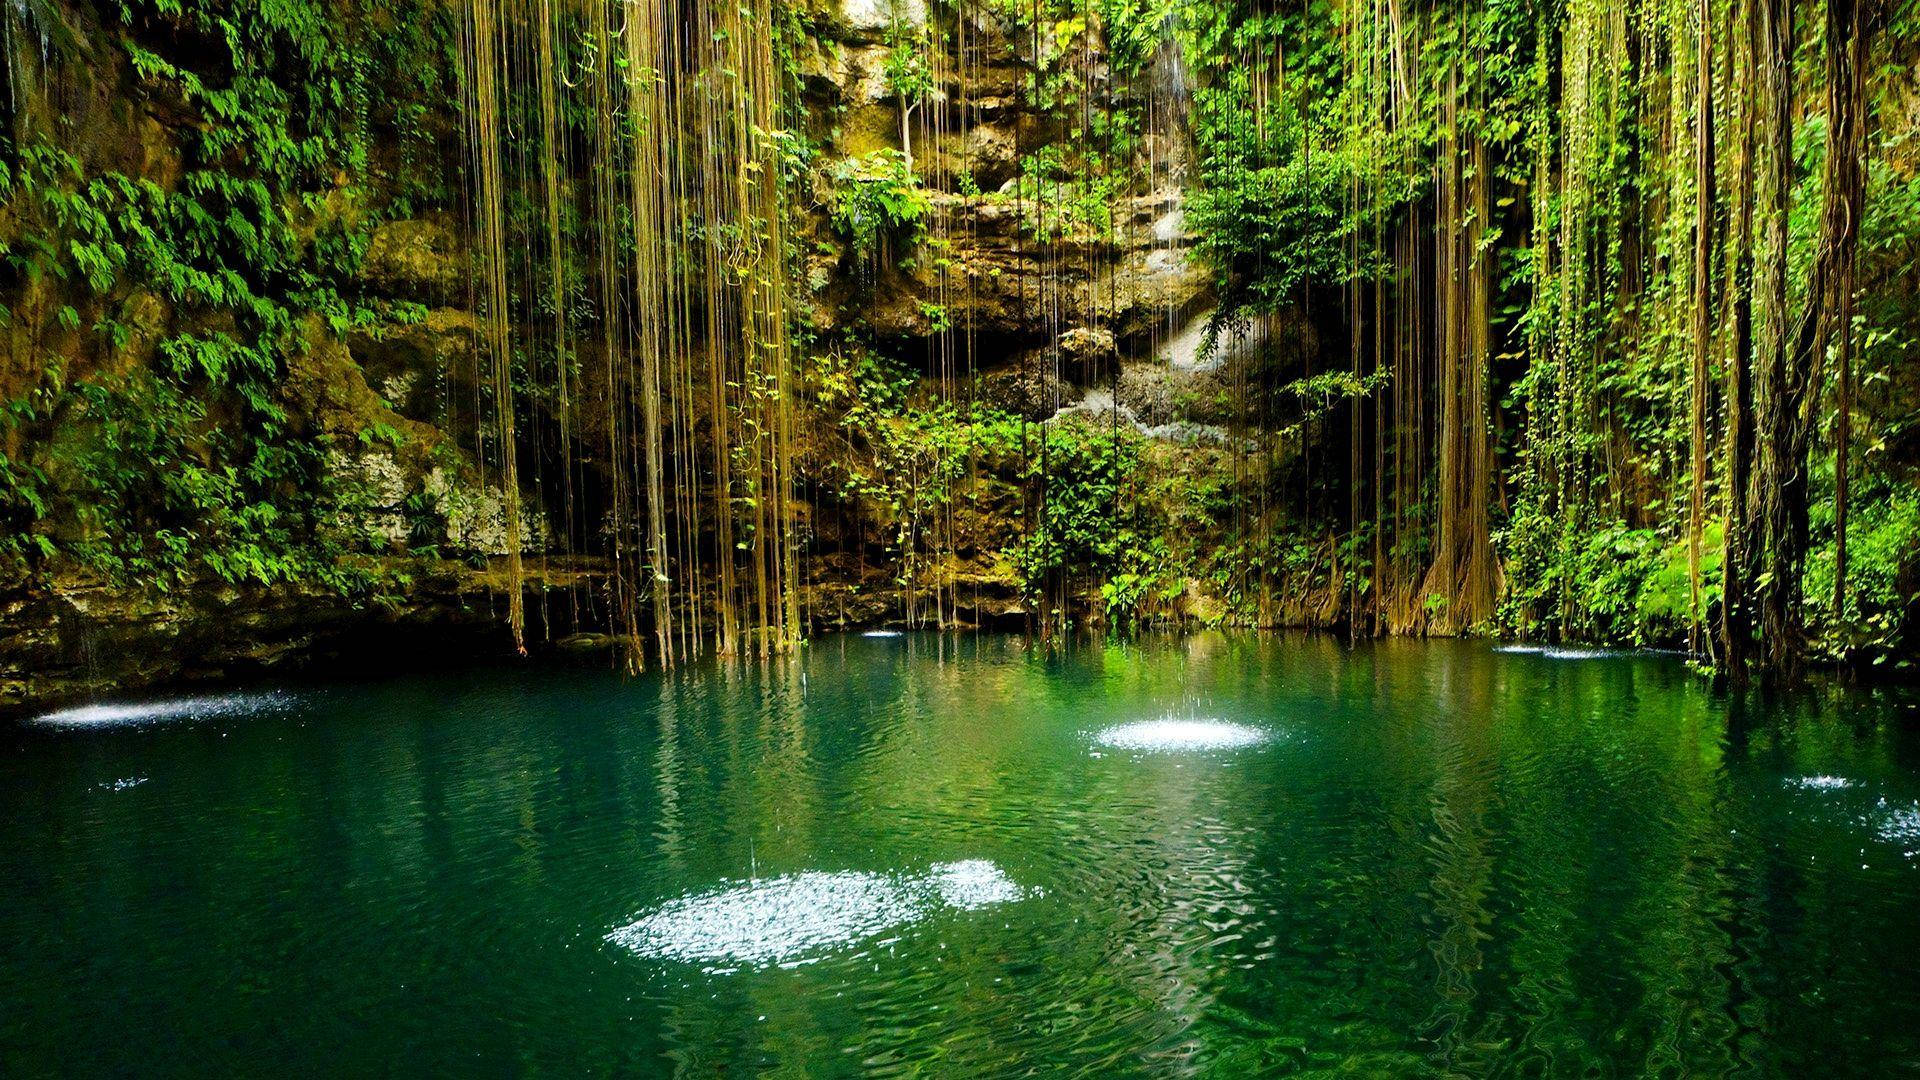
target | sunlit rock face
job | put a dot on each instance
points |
(1170, 733)
(873, 18)
(801, 918)
(137, 713)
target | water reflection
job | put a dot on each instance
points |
(908, 857)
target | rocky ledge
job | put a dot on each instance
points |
(82, 638)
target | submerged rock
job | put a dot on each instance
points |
(84, 637)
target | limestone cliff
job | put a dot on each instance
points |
(1025, 289)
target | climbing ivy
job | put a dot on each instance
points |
(187, 295)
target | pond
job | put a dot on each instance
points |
(971, 856)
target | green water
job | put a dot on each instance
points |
(916, 856)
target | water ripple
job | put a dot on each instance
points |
(1460, 862)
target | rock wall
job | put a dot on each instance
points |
(114, 157)
(1102, 323)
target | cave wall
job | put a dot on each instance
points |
(387, 398)
(128, 252)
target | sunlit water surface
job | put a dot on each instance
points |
(1208, 855)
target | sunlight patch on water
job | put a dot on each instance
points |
(794, 919)
(1898, 825)
(122, 784)
(1576, 653)
(972, 884)
(882, 633)
(134, 714)
(1819, 783)
(1583, 652)
(1177, 733)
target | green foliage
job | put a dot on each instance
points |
(1088, 518)
(1883, 569)
(1270, 231)
(1152, 583)
(876, 200)
(1062, 194)
(1280, 156)
(1617, 584)
(1888, 319)
(24, 502)
(904, 459)
(909, 78)
(169, 452)
(1135, 30)
(1071, 184)
(1086, 523)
